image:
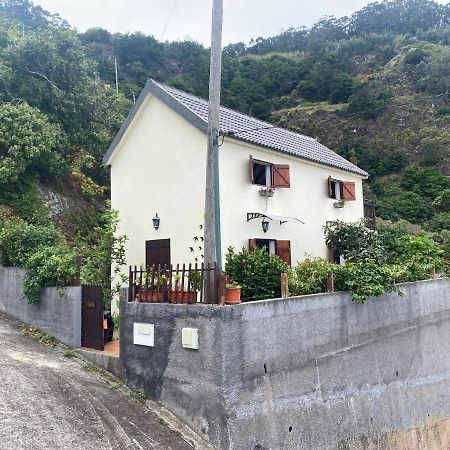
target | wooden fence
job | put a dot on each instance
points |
(176, 284)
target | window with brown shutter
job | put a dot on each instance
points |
(341, 190)
(281, 176)
(267, 174)
(348, 190)
(252, 179)
(280, 248)
(284, 251)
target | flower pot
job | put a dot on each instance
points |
(149, 296)
(190, 297)
(176, 297)
(232, 296)
(266, 193)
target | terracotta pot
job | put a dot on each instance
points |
(148, 296)
(176, 297)
(190, 297)
(232, 296)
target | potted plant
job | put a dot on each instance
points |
(150, 294)
(194, 285)
(176, 296)
(266, 191)
(232, 292)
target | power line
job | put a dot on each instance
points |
(168, 20)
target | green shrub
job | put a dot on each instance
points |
(414, 56)
(52, 266)
(26, 201)
(29, 145)
(19, 241)
(365, 279)
(353, 240)
(376, 260)
(41, 250)
(309, 276)
(417, 257)
(259, 273)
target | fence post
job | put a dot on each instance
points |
(433, 272)
(79, 263)
(284, 285)
(330, 282)
(221, 290)
(130, 285)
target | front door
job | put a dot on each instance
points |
(157, 252)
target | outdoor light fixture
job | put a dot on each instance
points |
(265, 224)
(156, 221)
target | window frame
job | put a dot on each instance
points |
(268, 172)
(338, 187)
(282, 248)
(273, 172)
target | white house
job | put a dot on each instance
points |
(158, 162)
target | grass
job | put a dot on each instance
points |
(69, 353)
(39, 336)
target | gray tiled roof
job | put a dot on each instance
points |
(249, 129)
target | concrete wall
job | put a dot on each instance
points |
(58, 316)
(313, 372)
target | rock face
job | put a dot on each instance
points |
(55, 202)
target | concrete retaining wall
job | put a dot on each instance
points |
(58, 316)
(313, 372)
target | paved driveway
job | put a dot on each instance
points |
(48, 401)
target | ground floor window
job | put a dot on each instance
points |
(274, 247)
(268, 244)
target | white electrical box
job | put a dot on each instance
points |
(144, 334)
(189, 338)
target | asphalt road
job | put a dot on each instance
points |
(49, 401)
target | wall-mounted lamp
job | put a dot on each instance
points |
(265, 224)
(156, 222)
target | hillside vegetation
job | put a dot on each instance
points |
(374, 87)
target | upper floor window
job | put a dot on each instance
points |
(341, 190)
(264, 173)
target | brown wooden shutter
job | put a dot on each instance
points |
(348, 190)
(252, 178)
(330, 190)
(251, 245)
(284, 251)
(281, 176)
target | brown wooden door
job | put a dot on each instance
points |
(157, 252)
(92, 333)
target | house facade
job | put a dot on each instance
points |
(290, 181)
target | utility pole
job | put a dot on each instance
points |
(117, 75)
(213, 244)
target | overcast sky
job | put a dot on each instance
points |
(243, 19)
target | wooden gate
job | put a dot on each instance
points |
(92, 334)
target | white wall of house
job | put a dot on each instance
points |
(307, 199)
(159, 167)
